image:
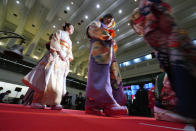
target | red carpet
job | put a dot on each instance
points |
(21, 118)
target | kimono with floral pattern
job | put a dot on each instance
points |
(104, 85)
(175, 51)
(161, 32)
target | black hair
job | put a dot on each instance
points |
(50, 37)
(48, 43)
(87, 34)
(153, 81)
(66, 25)
(106, 16)
(8, 91)
(141, 85)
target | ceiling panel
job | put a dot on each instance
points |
(43, 17)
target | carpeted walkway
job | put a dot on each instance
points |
(21, 118)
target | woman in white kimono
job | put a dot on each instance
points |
(48, 78)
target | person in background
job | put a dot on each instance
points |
(28, 98)
(104, 85)
(142, 101)
(48, 78)
(176, 53)
(66, 101)
(151, 99)
(80, 102)
(20, 101)
(4, 97)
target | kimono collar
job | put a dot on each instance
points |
(104, 26)
(110, 27)
(109, 30)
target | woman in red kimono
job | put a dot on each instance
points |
(175, 52)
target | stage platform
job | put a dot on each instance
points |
(22, 118)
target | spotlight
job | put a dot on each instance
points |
(86, 16)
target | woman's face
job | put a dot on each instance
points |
(70, 29)
(108, 21)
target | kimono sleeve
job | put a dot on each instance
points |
(148, 2)
(55, 42)
(70, 54)
(115, 46)
(96, 31)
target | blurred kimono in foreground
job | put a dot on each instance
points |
(174, 50)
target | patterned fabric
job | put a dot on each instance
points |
(102, 54)
(48, 78)
(159, 85)
(137, 22)
(174, 47)
(147, 17)
(115, 76)
(64, 43)
(104, 86)
(175, 52)
(96, 31)
(168, 95)
(171, 43)
(151, 98)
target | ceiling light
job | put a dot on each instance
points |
(78, 42)
(35, 57)
(14, 14)
(54, 26)
(194, 42)
(128, 24)
(98, 6)
(72, 2)
(148, 57)
(135, 0)
(68, 8)
(60, 19)
(127, 63)
(86, 16)
(81, 47)
(1, 43)
(137, 60)
(78, 74)
(17, 2)
(120, 11)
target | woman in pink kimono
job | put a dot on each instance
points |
(175, 52)
(48, 78)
